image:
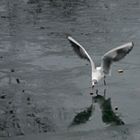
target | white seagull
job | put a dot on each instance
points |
(114, 55)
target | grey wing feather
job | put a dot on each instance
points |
(80, 51)
(115, 55)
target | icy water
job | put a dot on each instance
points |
(44, 85)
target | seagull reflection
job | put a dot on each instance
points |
(83, 116)
(108, 115)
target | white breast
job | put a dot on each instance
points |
(98, 74)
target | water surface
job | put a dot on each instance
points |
(53, 83)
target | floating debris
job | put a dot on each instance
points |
(4, 17)
(28, 99)
(120, 71)
(42, 27)
(12, 70)
(116, 108)
(11, 111)
(10, 102)
(3, 96)
(18, 81)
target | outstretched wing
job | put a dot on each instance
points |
(115, 55)
(80, 51)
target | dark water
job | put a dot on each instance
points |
(43, 83)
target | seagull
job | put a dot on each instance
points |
(114, 55)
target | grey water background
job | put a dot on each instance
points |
(43, 83)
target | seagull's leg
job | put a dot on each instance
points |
(104, 81)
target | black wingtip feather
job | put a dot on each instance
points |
(67, 35)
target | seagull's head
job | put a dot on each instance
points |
(94, 83)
